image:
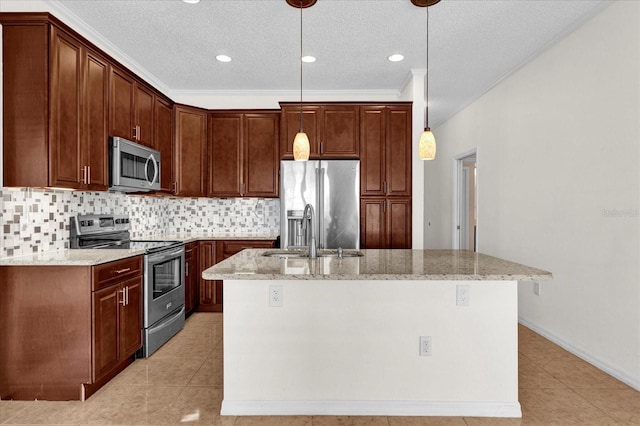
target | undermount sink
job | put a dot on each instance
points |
(305, 254)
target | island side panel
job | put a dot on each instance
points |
(339, 344)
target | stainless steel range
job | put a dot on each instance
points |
(163, 301)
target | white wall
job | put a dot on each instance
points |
(559, 184)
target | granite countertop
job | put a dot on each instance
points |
(374, 265)
(90, 257)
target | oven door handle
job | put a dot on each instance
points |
(164, 256)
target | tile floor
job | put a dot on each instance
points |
(182, 384)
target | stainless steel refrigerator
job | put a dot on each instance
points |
(332, 187)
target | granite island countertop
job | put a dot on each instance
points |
(379, 264)
(89, 257)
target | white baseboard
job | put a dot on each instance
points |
(371, 408)
(607, 368)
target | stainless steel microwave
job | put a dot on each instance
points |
(133, 167)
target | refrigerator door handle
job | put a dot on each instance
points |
(320, 205)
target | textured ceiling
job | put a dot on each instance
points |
(473, 44)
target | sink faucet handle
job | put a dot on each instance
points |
(340, 252)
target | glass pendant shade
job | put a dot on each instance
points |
(427, 145)
(301, 147)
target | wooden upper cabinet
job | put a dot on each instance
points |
(65, 110)
(225, 155)
(243, 154)
(121, 115)
(385, 150)
(333, 129)
(131, 108)
(190, 151)
(55, 100)
(163, 142)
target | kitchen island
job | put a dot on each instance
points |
(392, 332)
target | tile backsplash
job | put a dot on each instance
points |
(36, 220)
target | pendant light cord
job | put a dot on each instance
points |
(300, 59)
(426, 114)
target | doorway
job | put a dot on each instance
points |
(465, 220)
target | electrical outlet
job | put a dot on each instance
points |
(276, 296)
(425, 345)
(536, 288)
(462, 295)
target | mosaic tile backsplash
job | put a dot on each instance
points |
(35, 220)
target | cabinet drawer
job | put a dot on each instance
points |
(229, 248)
(114, 272)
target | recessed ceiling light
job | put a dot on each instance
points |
(191, 1)
(223, 58)
(308, 59)
(396, 57)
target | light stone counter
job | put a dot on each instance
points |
(374, 265)
(70, 257)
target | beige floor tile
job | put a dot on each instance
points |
(579, 374)
(533, 376)
(623, 405)
(274, 421)
(52, 412)
(426, 421)
(195, 405)
(369, 421)
(332, 421)
(8, 409)
(542, 351)
(159, 371)
(122, 405)
(209, 374)
(493, 421)
(561, 407)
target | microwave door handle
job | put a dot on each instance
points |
(155, 169)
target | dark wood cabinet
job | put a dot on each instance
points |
(72, 331)
(192, 278)
(55, 100)
(385, 222)
(190, 151)
(163, 142)
(333, 129)
(210, 295)
(243, 154)
(130, 108)
(212, 252)
(385, 150)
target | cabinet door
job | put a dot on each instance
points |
(65, 109)
(106, 350)
(261, 162)
(143, 119)
(163, 142)
(372, 223)
(290, 125)
(398, 223)
(191, 149)
(96, 115)
(192, 279)
(372, 151)
(340, 131)
(398, 140)
(121, 96)
(131, 317)
(225, 155)
(210, 299)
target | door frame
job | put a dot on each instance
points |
(457, 183)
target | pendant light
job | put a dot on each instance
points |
(301, 141)
(427, 143)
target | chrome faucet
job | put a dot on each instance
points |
(313, 248)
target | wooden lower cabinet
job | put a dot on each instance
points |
(73, 328)
(212, 252)
(192, 278)
(385, 223)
